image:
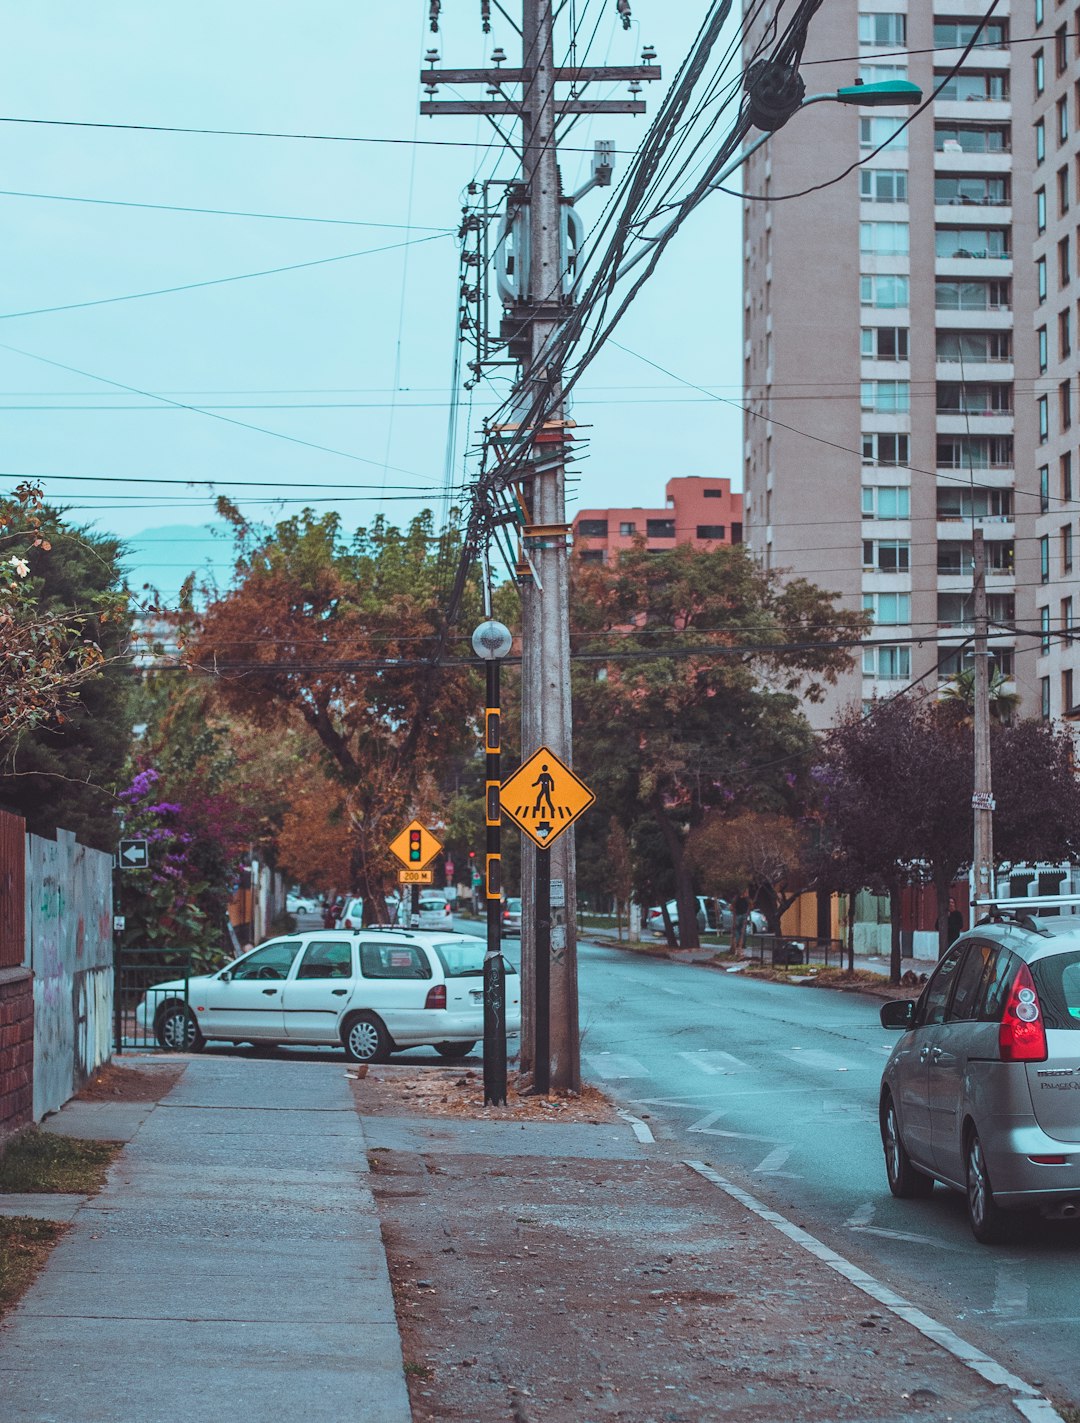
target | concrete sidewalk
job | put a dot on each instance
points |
(232, 1268)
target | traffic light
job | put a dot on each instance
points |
(414, 847)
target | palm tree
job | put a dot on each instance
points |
(959, 692)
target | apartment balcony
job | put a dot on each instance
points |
(974, 370)
(951, 529)
(995, 318)
(966, 110)
(976, 423)
(948, 161)
(997, 476)
(969, 268)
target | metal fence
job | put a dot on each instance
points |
(788, 950)
(148, 981)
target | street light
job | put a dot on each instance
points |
(492, 641)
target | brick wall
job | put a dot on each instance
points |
(16, 1048)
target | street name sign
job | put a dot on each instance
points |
(415, 847)
(543, 797)
(416, 876)
(133, 855)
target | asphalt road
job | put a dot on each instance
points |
(776, 1087)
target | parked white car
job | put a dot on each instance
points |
(712, 914)
(301, 904)
(372, 992)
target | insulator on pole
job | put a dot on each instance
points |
(433, 15)
(623, 8)
(485, 16)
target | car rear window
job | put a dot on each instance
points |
(1057, 979)
(464, 958)
(388, 960)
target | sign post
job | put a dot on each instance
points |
(543, 798)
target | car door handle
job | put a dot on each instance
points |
(269, 990)
(339, 992)
(937, 1054)
(924, 1053)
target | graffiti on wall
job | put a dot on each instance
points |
(70, 948)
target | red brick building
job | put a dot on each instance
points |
(16, 981)
(697, 510)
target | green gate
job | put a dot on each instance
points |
(147, 1014)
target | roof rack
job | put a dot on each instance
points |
(1035, 901)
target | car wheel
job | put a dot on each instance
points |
(988, 1220)
(454, 1050)
(365, 1039)
(906, 1182)
(176, 1029)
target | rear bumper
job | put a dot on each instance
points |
(1018, 1181)
(438, 1025)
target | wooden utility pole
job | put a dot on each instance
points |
(543, 302)
(982, 799)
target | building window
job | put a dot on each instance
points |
(1067, 621)
(1064, 264)
(1066, 476)
(883, 185)
(736, 533)
(712, 531)
(1044, 488)
(883, 31)
(1044, 630)
(974, 242)
(1064, 333)
(1066, 548)
(660, 528)
(593, 555)
(972, 138)
(885, 397)
(886, 501)
(951, 294)
(1066, 691)
(1039, 15)
(975, 452)
(1044, 697)
(1040, 210)
(884, 343)
(974, 397)
(1044, 418)
(888, 609)
(1040, 279)
(881, 132)
(885, 292)
(1044, 559)
(626, 529)
(1040, 337)
(956, 502)
(1064, 405)
(971, 191)
(1061, 49)
(1040, 71)
(884, 239)
(714, 493)
(1063, 191)
(977, 347)
(885, 449)
(971, 88)
(887, 555)
(957, 34)
(593, 528)
(1062, 121)
(887, 664)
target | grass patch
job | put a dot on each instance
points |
(39, 1161)
(419, 1371)
(24, 1248)
(1068, 1413)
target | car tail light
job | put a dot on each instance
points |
(1048, 1160)
(1021, 1035)
(347, 924)
(436, 997)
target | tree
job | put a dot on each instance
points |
(958, 695)
(694, 706)
(339, 636)
(758, 849)
(1037, 793)
(64, 622)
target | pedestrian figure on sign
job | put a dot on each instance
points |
(546, 781)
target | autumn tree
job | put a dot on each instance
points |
(689, 700)
(341, 635)
(756, 849)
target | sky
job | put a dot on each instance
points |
(345, 366)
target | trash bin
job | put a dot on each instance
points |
(787, 953)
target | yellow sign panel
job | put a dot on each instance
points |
(543, 797)
(416, 876)
(415, 847)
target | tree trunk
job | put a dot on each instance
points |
(941, 894)
(895, 954)
(685, 901)
(851, 932)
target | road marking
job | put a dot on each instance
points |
(1028, 1401)
(907, 1237)
(705, 1122)
(698, 1060)
(862, 1215)
(640, 1128)
(773, 1162)
(613, 1064)
(1010, 1288)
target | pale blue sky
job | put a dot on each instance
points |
(323, 336)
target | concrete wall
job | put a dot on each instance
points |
(16, 982)
(69, 946)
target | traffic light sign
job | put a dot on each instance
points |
(414, 847)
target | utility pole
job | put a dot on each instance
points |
(543, 302)
(982, 799)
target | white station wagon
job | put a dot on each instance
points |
(369, 991)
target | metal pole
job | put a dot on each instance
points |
(542, 986)
(494, 968)
(545, 608)
(414, 902)
(982, 800)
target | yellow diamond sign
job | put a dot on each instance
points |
(415, 847)
(543, 797)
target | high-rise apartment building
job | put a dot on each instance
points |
(887, 321)
(1054, 73)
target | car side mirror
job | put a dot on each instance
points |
(900, 1013)
(225, 975)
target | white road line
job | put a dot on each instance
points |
(698, 1060)
(1028, 1401)
(862, 1215)
(705, 1122)
(1010, 1288)
(773, 1162)
(907, 1237)
(614, 1064)
(640, 1128)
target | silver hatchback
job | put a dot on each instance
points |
(982, 1092)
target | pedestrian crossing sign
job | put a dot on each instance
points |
(543, 797)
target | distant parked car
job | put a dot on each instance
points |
(712, 914)
(301, 904)
(351, 914)
(371, 993)
(511, 918)
(436, 911)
